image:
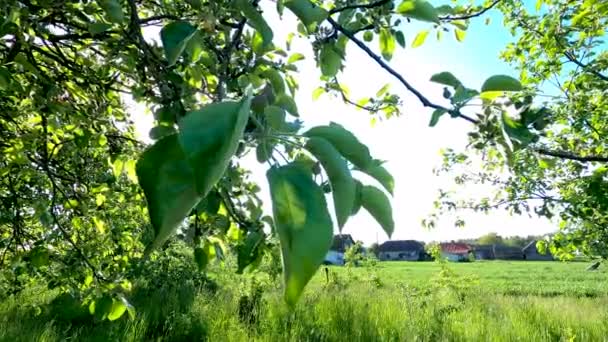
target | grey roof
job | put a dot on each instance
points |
(401, 245)
(341, 242)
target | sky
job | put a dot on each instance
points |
(410, 147)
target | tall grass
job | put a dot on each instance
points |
(350, 309)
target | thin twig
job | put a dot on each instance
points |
(472, 15)
(359, 6)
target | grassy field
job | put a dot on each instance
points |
(392, 301)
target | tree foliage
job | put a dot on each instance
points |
(220, 85)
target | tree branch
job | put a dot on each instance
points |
(570, 156)
(425, 102)
(359, 6)
(472, 15)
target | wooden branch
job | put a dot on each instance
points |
(359, 6)
(472, 15)
(570, 156)
(425, 102)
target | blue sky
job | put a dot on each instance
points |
(410, 147)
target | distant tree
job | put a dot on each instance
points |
(490, 239)
(374, 249)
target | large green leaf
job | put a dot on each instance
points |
(286, 102)
(309, 13)
(377, 204)
(249, 250)
(275, 117)
(329, 60)
(446, 78)
(302, 223)
(419, 10)
(117, 310)
(209, 138)
(275, 79)
(501, 83)
(342, 183)
(175, 37)
(256, 20)
(387, 44)
(167, 180)
(379, 173)
(345, 142)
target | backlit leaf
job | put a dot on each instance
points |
(330, 60)
(256, 20)
(345, 142)
(501, 83)
(302, 223)
(446, 78)
(378, 205)
(175, 37)
(459, 34)
(419, 10)
(387, 44)
(342, 183)
(309, 13)
(420, 38)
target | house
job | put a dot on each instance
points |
(341, 243)
(408, 250)
(530, 252)
(456, 251)
(483, 252)
(504, 252)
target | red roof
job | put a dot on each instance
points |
(455, 247)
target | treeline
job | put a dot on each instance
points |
(494, 238)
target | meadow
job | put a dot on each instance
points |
(385, 301)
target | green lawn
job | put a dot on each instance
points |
(504, 277)
(392, 301)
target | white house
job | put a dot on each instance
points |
(341, 243)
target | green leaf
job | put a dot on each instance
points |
(445, 9)
(342, 183)
(459, 34)
(357, 202)
(463, 94)
(167, 180)
(383, 90)
(302, 223)
(159, 132)
(113, 10)
(286, 102)
(501, 83)
(378, 205)
(309, 13)
(420, 38)
(516, 130)
(368, 36)
(329, 60)
(400, 38)
(101, 307)
(317, 93)
(256, 20)
(249, 250)
(5, 78)
(446, 78)
(295, 58)
(201, 258)
(275, 117)
(264, 150)
(117, 310)
(379, 173)
(419, 10)
(210, 204)
(276, 81)
(437, 114)
(345, 142)
(175, 37)
(210, 136)
(387, 44)
(39, 256)
(97, 28)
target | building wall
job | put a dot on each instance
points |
(405, 256)
(454, 257)
(334, 258)
(533, 255)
